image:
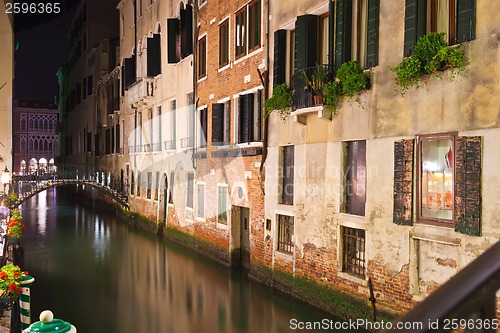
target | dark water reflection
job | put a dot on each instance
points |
(104, 276)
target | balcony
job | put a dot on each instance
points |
(305, 83)
(141, 92)
(187, 142)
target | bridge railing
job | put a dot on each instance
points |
(26, 185)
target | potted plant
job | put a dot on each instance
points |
(316, 82)
(15, 226)
(13, 198)
(352, 78)
(10, 281)
(281, 101)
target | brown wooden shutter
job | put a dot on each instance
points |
(468, 185)
(217, 123)
(403, 182)
(154, 55)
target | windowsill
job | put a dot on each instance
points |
(203, 5)
(248, 144)
(223, 68)
(200, 219)
(352, 221)
(352, 278)
(202, 79)
(222, 226)
(249, 55)
(283, 255)
(300, 115)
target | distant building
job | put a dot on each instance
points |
(34, 136)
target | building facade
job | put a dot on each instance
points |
(398, 189)
(35, 138)
(6, 77)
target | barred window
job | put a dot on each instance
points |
(285, 233)
(353, 251)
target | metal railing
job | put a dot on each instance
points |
(302, 92)
(187, 142)
(64, 174)
(169, 145)
(466, 302)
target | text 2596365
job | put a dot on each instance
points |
(33, 8)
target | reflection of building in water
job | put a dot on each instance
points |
(35, 137)
(190, 295)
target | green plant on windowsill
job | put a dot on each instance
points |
(431, 55)
(318, 79)
(349, 82)
(281, 101)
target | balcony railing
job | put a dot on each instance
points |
(141, 91)
(303, 93)
(135, 149)
(187, 142)
(169, 145)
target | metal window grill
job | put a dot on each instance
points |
(354, 252)
(285, 233)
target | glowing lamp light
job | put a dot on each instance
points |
(5, 178)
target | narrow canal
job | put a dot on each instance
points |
(105, 277)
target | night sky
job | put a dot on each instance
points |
(41, 40)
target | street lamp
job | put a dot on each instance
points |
(5, 178)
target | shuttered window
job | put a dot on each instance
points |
(173, 40)
(254, 13)
(130, 73)
(154, 55)
(372, 33)
(287, 182)
(306, 41)
(138, 183)
(279, 62)
(203, 128)
(355, 173)
(217, 124)
(246, 118)
(448, 182)
(343, 29)
(202, 57)
(457, 19)
(186, 31)
(224, 43)
(248, 28)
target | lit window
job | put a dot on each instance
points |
(436, 177)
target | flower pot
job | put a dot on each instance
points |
(318, 99)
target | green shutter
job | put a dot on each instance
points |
(466, 20)
(154, 55)
(306, 41)
(403, 182)
(173, 31)
(279, 61)
(468, 185)
(217, 123)
(343, 35)
(415, 21)
(372, 33)
(331, 32)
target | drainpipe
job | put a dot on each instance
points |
(266, 94)
(195, 80)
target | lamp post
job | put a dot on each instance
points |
(5, 178)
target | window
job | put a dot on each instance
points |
(355, 173)
(287, 183)
(149, 184)
(353, 251)
(153, 55)
(436, 177)
(455, 18)
(180, 35)
(222, 204)
(157, 185)
(122, 26)
(200, 209)
(132, 184)
(201, 3)
(285, 233)
(139, 8)
(248, 28)
(224, 43)
(190, 189)
(159, 124)
(203, 132)
(138, 183)
(202, 57)
(248, 122)
(221, 114)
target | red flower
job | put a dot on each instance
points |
(26, 273)
(12, 287)
(3, 275)
(16, 274)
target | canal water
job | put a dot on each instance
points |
(104, 276)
